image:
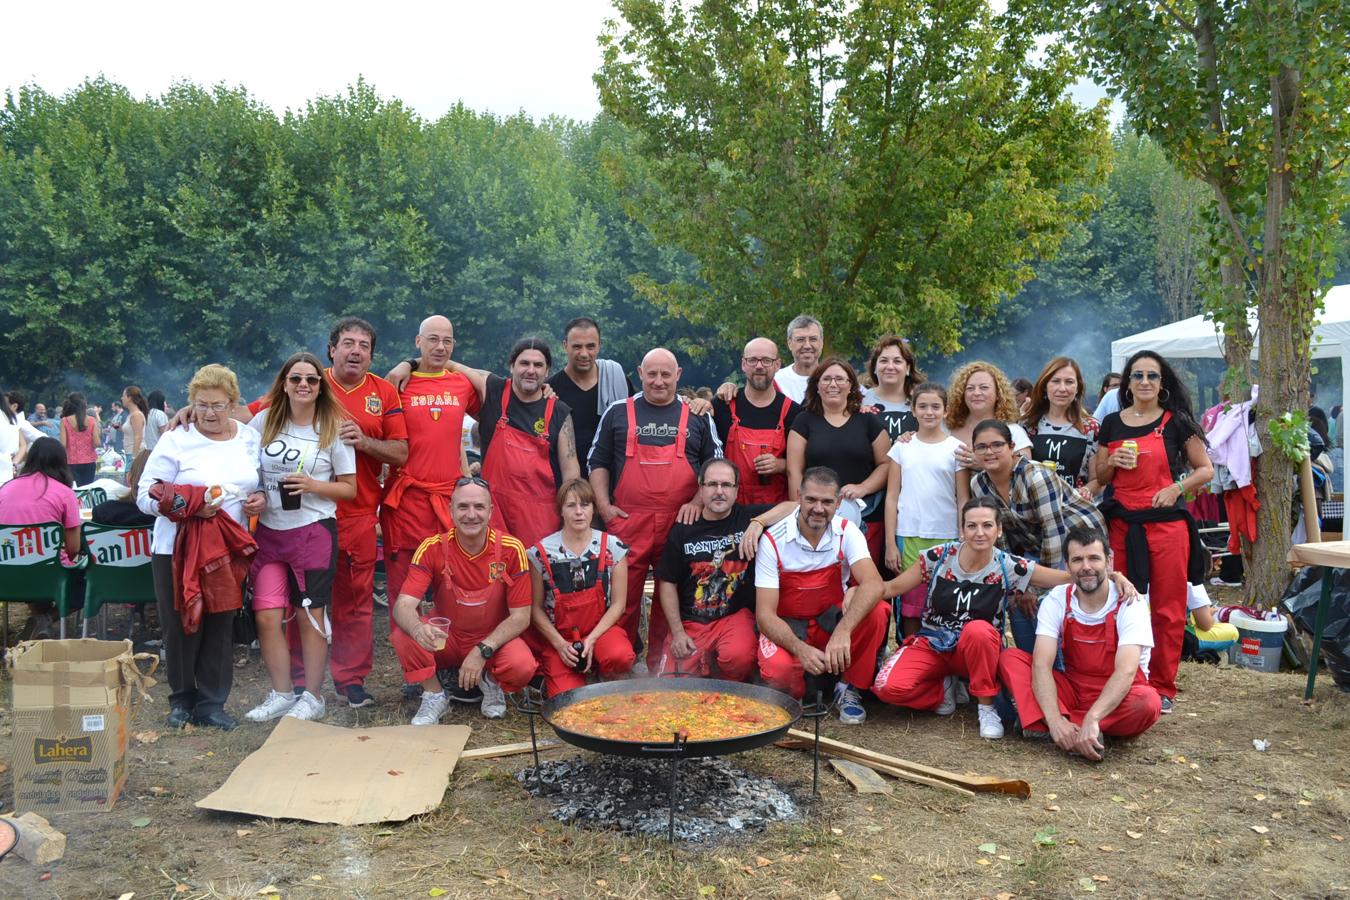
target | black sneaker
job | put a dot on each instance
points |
(357, 696)
(1166, 705)
(457, 693)
(412, 691)
(179, 717)
(217, 719)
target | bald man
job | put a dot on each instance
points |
(435, 402)
(642, 464)
(753, 424)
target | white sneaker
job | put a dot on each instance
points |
(494, 699)
(432, 708)
(308, 707)
(962, 692)
(948, 704)
(991, 726)
(275, 706)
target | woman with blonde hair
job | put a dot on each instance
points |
(306, 469)
(979, 391)
(213, 450)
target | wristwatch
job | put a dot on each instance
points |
(486, 649)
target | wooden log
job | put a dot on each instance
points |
(799, 740)
(863, 779)
(507, 750)
(39, 842)
(897, 772)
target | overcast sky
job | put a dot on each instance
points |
(501, 55)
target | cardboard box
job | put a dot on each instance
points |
(72, 716)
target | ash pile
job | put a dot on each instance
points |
(713, 799)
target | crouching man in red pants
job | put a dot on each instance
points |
(482, 585)
(1104, 686)
(805, 623)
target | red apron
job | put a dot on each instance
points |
(805, 595)
(473, 612)
(744, 444)
(575, 613)
(654, 484)
(1090, 651)
(1135, 487)
(518, 467)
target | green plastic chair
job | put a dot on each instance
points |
(119, 570)
(31, 570)
(91, 497)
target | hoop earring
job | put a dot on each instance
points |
(1167, 398)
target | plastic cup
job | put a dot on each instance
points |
(442, 626)
(289, 500)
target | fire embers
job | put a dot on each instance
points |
(713, 800)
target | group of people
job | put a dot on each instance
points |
(784, 522)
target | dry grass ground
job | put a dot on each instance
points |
(1175, 814)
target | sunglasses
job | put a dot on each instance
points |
(1146, 376)
(310, 380)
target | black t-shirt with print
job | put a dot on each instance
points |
(526, 417)
(704, 561)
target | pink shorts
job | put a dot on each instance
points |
(272, 587)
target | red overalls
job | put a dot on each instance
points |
(1169, 545)
(654, 484)
(806, 595)
(575, 615)
(1089, 661)
(473, 613)
(518, 467)
(744, 444)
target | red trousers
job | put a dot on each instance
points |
(512, 665)
(1137, 711)
(727, 644)
(913, 675)
(614, 656)
(781, 670)
(645, 534)
(351, 608)
(1169, 547)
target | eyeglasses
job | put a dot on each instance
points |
(992, 445)
(724, 485)
(1149, 376)
(437, 341)
(834, 379)
(753, 361)
(204, 408)
(471, 479)
(310, 380)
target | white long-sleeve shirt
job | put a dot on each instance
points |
(190, 457)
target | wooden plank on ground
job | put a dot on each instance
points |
(507, 750)
(802, 740)
(863, 779)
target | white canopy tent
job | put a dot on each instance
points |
(1200, 338)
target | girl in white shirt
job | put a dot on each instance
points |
(924, 490)
(305, 469)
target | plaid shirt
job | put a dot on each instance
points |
(1040, 510)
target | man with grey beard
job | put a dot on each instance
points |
(1104, 687)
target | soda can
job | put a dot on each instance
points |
(1051, 465)
(1133, 447)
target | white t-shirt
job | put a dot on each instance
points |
(9, 445)
(1133, 623)
(1197, 597)
(154, 423)
(296, 449)
(927, 504)
(1021, 440)
(189, 457)
(784, 549)
(792, 384)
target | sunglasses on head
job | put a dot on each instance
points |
(471, 479)
(310, 380)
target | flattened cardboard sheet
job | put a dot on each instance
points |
(343, 776)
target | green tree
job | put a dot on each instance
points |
(883, 164)
(1253, 98)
